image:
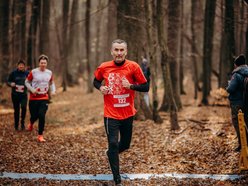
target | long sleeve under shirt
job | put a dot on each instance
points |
(119, 101)
(141, 87)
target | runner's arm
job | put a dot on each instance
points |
(11, 80)
(29, 87)
(52, 87)
(97, 84)
(141, 88)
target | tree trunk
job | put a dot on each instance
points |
(72, 78)
(194, 7)
(207, 48)
(31, 62)
(112, 24)
(246, 38)
(64, 41)
(130, 25)
(19, 41)
(173, 47)
(98, 32)
(4, 40)
(44, 28)
(221, 66)
(23, 43)
(173, 53)
(246, 43)
(165, 65)
(227, 45)
(239, 25)
(87, 42)
(152, 47)
(181, 61)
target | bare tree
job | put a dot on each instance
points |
(35, 15)
(173, 47)
(246, 34)
(207, 48)
(246, 41)
(64, 42)
(19, 22)
(87, 43)
(181, 59)
(228, 44)
(44, 27)
(98, 32)
(72, 76)
(166, 66)
(4, 39)
(173, 40)
(194, 17)
(129, 26)
(152, 48)
(112, 22)
(239, 25)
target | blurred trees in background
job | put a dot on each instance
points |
(181, 39)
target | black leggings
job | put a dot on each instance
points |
(38, 109)
(19, 100)
(115, 146)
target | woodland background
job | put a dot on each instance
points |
(195, 40)
(190, 46)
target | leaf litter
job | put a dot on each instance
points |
(76, 144)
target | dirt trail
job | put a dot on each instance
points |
(76, 142)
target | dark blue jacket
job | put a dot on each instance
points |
(236, 85)
(18, 77)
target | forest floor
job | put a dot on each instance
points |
(76, 144)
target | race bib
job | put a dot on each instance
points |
(19, 88)
(43, 88)
(121, 100)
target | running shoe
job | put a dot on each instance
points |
(40, 138)
(30, 127)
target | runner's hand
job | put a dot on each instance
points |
(125, 83)
(104, 90)
(35, 91)
(12, 84)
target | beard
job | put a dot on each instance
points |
(119, 59)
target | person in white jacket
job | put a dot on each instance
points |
(38, 82)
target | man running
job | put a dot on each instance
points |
(38, 83)
(19, 97)
(121, 77)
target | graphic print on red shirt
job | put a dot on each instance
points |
(119, 102)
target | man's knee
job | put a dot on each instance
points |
(113, 146)
(123, 147)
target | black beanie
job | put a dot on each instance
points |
(240, 60)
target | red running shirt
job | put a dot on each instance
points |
(119, 102)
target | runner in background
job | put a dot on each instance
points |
(38, 83)
(16, 81)
(235, 89)
(146, 70)
(122, 77)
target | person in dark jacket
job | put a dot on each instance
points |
(235, 89)
(146, 70)
(16, 81)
